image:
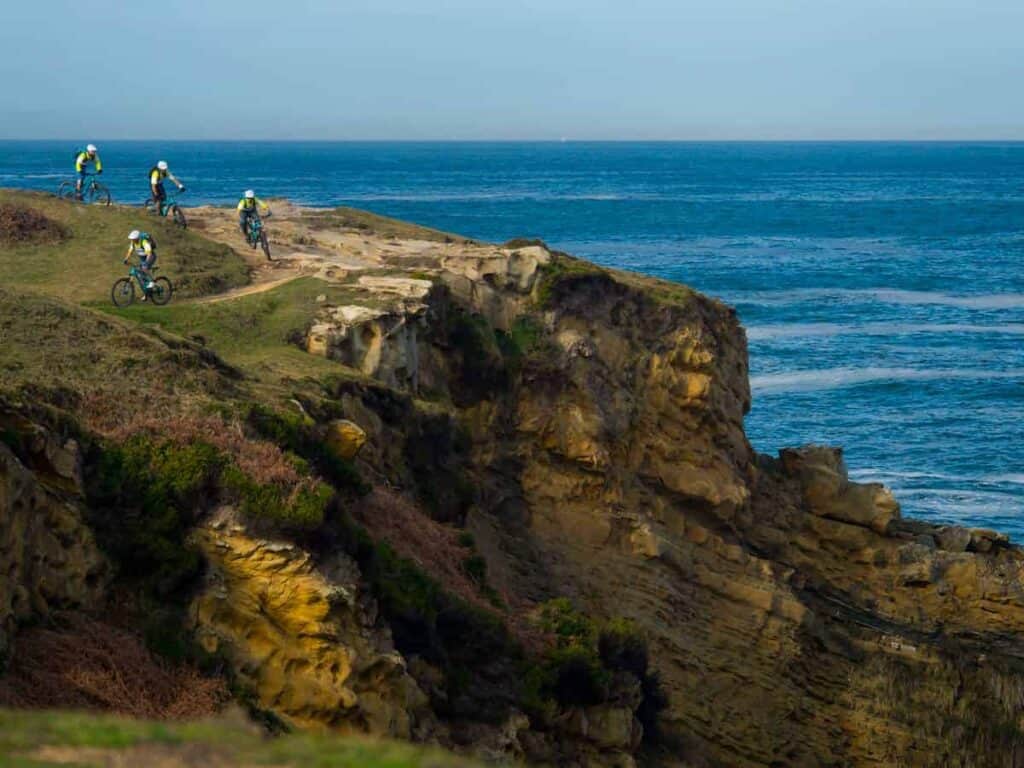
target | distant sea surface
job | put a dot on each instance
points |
(881, 285)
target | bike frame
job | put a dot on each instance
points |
(136, 272)
(255, 225)
(89, 182)
(171, 200)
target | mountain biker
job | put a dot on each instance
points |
(142, 245)
(157, 174)
(82, 159)
(247, 208)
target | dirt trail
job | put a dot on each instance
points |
(307, 242)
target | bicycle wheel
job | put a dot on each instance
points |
(98, 195)
(161, 291)
(149, 205)
(179, 216)
(123, 292)
(265, 243)
(66, 190)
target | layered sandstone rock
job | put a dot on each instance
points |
(304, 639)
(48, 555)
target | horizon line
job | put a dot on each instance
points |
(566, 140)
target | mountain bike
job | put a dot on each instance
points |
(257, 235)
(93, 192)
(169, 207)
(123, 291)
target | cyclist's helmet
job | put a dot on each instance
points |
(162, 165)
(91, 149)
(249, 194)
(134, 235)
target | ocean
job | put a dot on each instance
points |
(881, 284)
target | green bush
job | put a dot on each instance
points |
(297, 434)
(302, 509)
(622, 646)
(143, 496)
(569, 626)
(578, 670)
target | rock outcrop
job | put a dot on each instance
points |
(48, 555)
(304, 638)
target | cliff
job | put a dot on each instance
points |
(499, 499)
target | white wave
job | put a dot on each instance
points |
(886, 296)
(981, 301)
(959, 495)
(1011, 478)
(837, 378)
(808, 330)
(895, 476)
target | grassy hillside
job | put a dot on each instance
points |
(253, 331)
(74, 251)
(47, 739)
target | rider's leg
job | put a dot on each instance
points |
(159, 197)
(146, 265)
(243, 222)
(79, 184)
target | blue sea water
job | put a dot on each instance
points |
(882, 285)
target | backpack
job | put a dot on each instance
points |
(147, 236)
(79, 152)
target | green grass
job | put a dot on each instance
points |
(47, 345)
(21, 733)
(82, 267)
(562, 268)
(255, 331)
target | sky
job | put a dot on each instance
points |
(512, 69)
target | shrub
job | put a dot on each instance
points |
(297, 434)
(302, 506)
(622, 646)
(578, 669)
(21, 224)
(569, 626)
(142, 499)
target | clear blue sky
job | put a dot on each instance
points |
(512, 69)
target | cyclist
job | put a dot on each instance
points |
(82, 159)
(144, 246)
(157, 174)
(247, 208)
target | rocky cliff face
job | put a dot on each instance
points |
(48, 555)
(586, 427)
(796, 619)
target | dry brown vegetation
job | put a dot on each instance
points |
(261, 461)
(434, 547)
(20, 224)
(88, 664)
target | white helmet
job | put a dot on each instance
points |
(249, 194)
(134, 235)
(162, 165)
(91, 149)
